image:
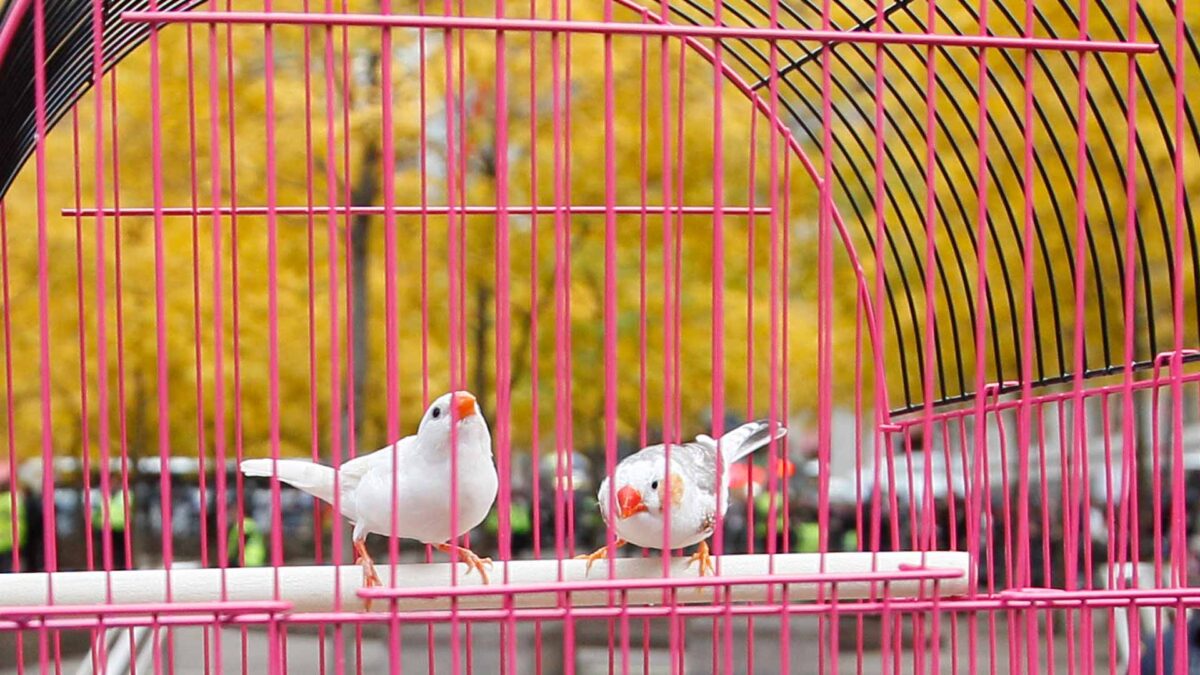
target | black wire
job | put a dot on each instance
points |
(69, 44)
(1101, 242)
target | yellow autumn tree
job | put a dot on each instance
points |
(311, 303)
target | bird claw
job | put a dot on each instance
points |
(591, 558)
(599, 554)
(704, 558)
(475, 562)
(468, 558)
(370, 576)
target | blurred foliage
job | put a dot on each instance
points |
(191, 264)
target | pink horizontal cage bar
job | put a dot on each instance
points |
(601, 28)
(156, 608)
(470, 210)
(996, 404)
(1033, 599)
(895, 609)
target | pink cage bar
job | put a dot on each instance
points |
(943, 249)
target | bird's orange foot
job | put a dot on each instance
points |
(599, 554)
(370, 576)
(705, 560)
(468, 557)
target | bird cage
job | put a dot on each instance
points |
(551, 337)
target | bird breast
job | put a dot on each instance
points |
(690, 524)
(424, 490)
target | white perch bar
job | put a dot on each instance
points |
(311, 588)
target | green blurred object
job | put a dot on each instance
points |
(808, 538)
(6, 521)
(519, 520)
(762, 511)
(850, 541)
(116, 510)
(255, 549)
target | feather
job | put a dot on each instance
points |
(315, 479)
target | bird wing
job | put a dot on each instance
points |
(745, 439)
(352, 471)
(699, 462)
(380, 460)
(696, 464)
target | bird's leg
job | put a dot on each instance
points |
(468, 557)
(599, 554)
(370, 577)
(703, 557)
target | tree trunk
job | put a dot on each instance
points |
(483, 295)
(364, 193)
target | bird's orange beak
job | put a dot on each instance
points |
(630, 502)
(464, 405)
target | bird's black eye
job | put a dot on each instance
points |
(437, 412)
(654, 485)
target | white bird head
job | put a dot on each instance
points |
(458, 410)
(641, 487)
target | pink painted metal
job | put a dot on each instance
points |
(568, 27)
(930, 320)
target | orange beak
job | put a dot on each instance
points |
(464, 405)
(630, 502)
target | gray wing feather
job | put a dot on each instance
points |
(747, 438)
(698, 459)
(699, 462)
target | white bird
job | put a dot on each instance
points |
(420, 468)
(642, 498)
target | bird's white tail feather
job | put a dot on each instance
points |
(315, 479)
(747, 438)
